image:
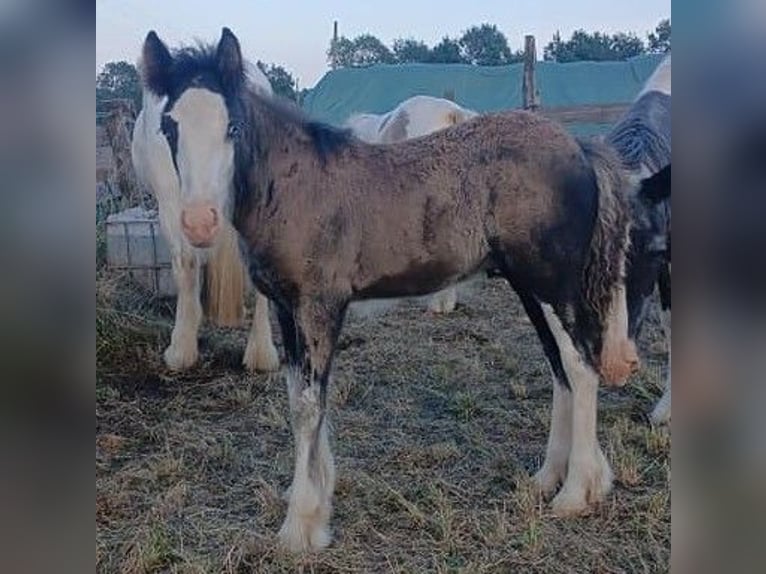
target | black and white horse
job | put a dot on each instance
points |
(643, 140)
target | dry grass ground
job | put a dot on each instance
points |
(438, 423)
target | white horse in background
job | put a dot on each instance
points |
(226, 276)
(415, 117)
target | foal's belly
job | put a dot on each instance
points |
(417, 279)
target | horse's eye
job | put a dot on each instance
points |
(233, 131)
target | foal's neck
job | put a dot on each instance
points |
(272, 127)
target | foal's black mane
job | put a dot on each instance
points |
(643, 135)
(326, 139)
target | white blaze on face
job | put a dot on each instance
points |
(205, 156)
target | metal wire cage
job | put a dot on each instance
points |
(136, 246)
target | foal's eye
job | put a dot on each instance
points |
(233, 131)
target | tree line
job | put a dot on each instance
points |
(482, 45)
(485, 45)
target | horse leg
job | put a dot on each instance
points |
(182, 352)
(444, 301)
(589, 477)
(310, 336)
(554, 468)
(661, 412)
(260, 353)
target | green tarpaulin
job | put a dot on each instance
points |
(380, 88)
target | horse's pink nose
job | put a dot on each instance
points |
(199, 223)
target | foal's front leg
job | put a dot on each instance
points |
(310, 335)
(182, 352)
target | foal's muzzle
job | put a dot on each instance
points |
(619, 362)
(200, 223)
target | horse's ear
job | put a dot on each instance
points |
(657, 187)
(156, 64)
(229, 60)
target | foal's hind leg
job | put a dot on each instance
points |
(310, 336)
(554, 469)
(182, 352)
(589, 477)
(260, 353)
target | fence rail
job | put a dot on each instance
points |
(586, 114)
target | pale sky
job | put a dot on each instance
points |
(296, 34)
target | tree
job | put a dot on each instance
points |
(447, 52)
(408, 50)
(340, 54)
(363, 50)
(625, 46)
(596, 47)
(659, 40)
(369, 50)
(282, 81)
(118, 80)
(485, 45)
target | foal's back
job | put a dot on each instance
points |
(512, 165)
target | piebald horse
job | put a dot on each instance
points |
(326, 219)
(642, 138)
(414, 117)
(155, 162)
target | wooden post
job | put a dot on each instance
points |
(530, 94)
(333, 44)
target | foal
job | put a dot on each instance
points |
(326, 219)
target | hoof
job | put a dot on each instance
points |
(570, 502)
(547, 480)
(443, 302)
(584, 489)
(261, 358)
(307, 535)
(178, 358)
(660, 415)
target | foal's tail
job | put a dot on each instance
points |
(604, 274)
(225, 280)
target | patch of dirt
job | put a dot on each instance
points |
(437, 424)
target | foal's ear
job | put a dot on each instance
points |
(229, 60)
(156, 64)
(657, 187)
